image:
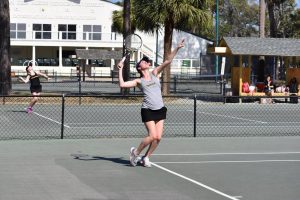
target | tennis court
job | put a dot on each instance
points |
(182, 169)
(215, 165)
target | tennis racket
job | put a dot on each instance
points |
(132, 43)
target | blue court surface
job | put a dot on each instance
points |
(210, 168)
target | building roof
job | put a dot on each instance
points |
(286, 47)
(98, 54)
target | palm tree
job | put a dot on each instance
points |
(171, 14)
(5, 66)
(168, 14)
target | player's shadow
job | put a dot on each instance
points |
(18, 111)
(118, 160)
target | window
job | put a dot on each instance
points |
(18, 31)
(113, 35)
(68, 31)
(42, 31)
(92, 32)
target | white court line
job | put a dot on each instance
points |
(228, 161)
(195, 182)
(116, 123)
(212, 154)
(227, 116)
(103, 123)
(249, 126)
(49, 119)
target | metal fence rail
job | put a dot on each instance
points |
(95, 116)
(109, 85)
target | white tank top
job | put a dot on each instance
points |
(152, 93)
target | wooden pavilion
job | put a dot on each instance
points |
(241, 50)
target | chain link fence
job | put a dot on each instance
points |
(104, 116)
(109, 85)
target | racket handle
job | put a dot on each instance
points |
(123, 59)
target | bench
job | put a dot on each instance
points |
(275, 94)
(261, 94)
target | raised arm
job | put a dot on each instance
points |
(169, 59)
(43, 75)
(122, 83)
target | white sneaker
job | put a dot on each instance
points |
(146, 162)
(134, 159)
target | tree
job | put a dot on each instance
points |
(126, 32)
(279, 12)
(285, 12)
(262, 34)
(273, 29)
(238, 18)
(170, 15)
(118, 20)
(295, 22)
(262, 18)
(5, 65)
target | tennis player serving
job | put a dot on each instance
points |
(153, 111)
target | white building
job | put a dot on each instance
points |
(49, 31)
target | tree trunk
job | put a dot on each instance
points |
(127, 31)
(262, 26)
(262, 18)
(273, 29)
(166, 75)
(273, 32)
(5, 65)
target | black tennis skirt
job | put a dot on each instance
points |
(153, 115)
(36, 88)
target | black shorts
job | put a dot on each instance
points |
(36, 88)
(153, 115)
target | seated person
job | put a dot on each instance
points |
(245, 87)
(293, 85)
(281, 89)
(269, 87)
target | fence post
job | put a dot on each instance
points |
(175, 83)
(79, 85)
(62, 117)
(195, 115)
(224, 91)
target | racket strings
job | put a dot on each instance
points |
(133, 42)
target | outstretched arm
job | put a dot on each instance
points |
(169, 59)
(24, 80)
(122, 83)
(43, 75)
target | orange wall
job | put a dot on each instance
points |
(235, 79)
(292, 72)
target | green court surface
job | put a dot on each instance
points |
(206, 168)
